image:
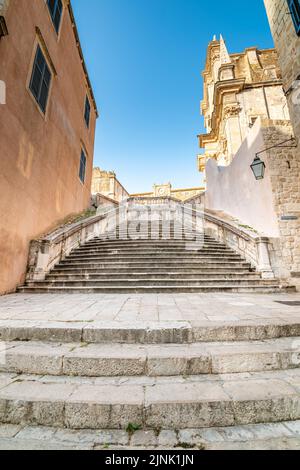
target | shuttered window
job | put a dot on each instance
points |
(55, 9)
(40, 80)
(82, 167)
(294, 6)
(87, 112)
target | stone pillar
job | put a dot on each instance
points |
(263, 257)
(232, 129)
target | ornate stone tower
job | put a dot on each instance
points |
(238, 88)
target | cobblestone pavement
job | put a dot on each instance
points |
(200, 308)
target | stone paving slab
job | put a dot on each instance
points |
(149, 318)
(210, 307)
(285, 435)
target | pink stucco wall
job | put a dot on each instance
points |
(39, 155)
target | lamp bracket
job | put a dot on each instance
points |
(280, 145)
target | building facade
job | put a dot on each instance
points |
(106, 184)
(166, 190)
(47, 128)
(246, 112)
(238, 89)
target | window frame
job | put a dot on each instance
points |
(53, 14)
(294, 7)
(42, 70)
(87, 106)
(82, 154)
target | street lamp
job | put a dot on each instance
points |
(258, 166)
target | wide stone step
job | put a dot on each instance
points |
(131, 282)
(61, 275)
(152, 236)
(148, 244)
(190, 264)
(193, 402)
(178, 270)
(141, 332)
(111, 360)
(159, 256)
(162, 289)
(270, 436)
(151, 251)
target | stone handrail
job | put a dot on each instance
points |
(48, 251)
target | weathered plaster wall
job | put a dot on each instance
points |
(39, 183)
(271, 205)
(234, 190)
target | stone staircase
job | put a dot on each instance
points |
(161, 378)
(170, 260)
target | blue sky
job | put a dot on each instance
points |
(145, 59)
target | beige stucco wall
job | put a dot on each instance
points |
(39, 183)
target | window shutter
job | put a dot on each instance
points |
(294, 6)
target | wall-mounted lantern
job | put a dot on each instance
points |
(258, 166)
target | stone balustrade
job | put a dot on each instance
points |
(49, 251)
(249, 244)
(45, 253)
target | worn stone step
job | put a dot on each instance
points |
(178, 270)
(190, 264)
(270, 436)
(148, 332)
(100, 276)
(152, 236)
(109, 360)
(150, 251)
(148, 243)
(131, 282)
(162, 289)
(194, 402)
(164, 257)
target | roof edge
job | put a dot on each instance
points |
(78, 44)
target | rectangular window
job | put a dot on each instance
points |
(87, 112)
(82, 167)
(40, 80)
(55, 9)
(294, 6)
